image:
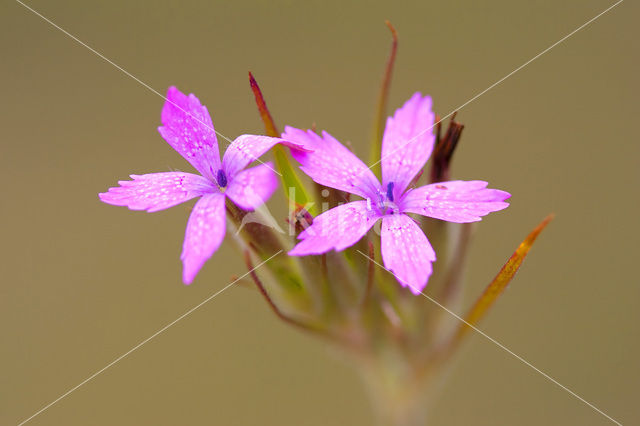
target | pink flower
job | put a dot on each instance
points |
(187, 127)
(406, 145)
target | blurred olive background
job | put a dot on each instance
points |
(84, 282)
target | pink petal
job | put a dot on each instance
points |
(157, 191)
(246, 149)
(251, 188)
(454, 201)
(406, 251)
(205, 232)
(336, 229)
(407, 142)
(187, 127)
(331, 164)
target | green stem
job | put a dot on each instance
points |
(397, 399)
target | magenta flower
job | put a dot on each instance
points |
(187, 127)
(406, 145)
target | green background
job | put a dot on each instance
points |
(83, 282)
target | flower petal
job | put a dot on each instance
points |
(205, 232)
(406, 251)
(407, 142)
(336, 229)
(331, 164)
(251, 188)
(187, 127)
(157, 191)
(246, 149)
(454, 201)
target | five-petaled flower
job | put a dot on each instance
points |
(187, 127)
(407, 143)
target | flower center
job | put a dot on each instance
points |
(384, 202)
(221, 178)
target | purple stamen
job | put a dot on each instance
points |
(222, 179)
(390, 191)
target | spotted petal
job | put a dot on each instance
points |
(336, 229)
(251, 188)
(157, 191)
(455, 201)
(205, 232)
(407, 142)
(406, 251)
(331, 164)
(187, 127)
(246, 149)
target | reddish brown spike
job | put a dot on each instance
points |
(267, 119)
(443, 150)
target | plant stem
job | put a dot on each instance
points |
(397, 399)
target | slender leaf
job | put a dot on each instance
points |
(501, 281)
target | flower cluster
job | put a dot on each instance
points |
(407, 143)
(325, 277)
